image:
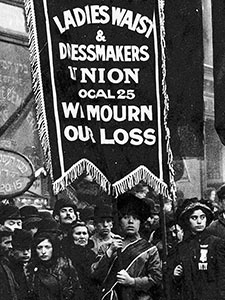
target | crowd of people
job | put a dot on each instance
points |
(99, 253)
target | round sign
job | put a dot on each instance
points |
(16, 174)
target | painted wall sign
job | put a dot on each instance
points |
(16, 174)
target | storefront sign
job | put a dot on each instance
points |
(16, 174)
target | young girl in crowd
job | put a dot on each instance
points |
(52, 277)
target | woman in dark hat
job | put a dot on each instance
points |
(199, 272)
(52, 277)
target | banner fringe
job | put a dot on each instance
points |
(140, 174)
(37, 84)
(79, 168)
(172, 183)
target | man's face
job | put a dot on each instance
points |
(13, 224)
(6, 244)
(104, 226)
(130, 225)
(67, 215)
(80, 236)
(176, 233)
(22, 255)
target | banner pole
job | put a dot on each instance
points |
(119, 254)
(164, 243)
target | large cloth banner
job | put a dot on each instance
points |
(218, 22)
(99, 78)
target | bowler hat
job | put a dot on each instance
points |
(45, 214)
(48, 225)
(8, 212)
(130, 204)
(103, 211)
(22, 239)
(29, 214)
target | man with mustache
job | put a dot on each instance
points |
(10, 216)
(65, 212)
(130, 268)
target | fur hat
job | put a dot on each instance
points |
(8, 212)
(22, 239)
(130, 204)
(103, 211)
(188, 210)
(63, 202)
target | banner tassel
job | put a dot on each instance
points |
(37, 84)
(140, 174)
(81, 167)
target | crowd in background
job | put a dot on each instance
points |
(108, 252)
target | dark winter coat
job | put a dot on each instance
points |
(217, 227)
(54, 281)
(141, 261)
(82, 259)
(22, 289)
(202, 257)
(8, 284)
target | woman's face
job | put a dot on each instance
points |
(44, 250)
(197, 221)
(80, 235)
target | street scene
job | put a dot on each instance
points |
(112, 134)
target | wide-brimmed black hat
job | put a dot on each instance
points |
(9, 212)
(22, 239)
(187, 211)
(130, 204)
